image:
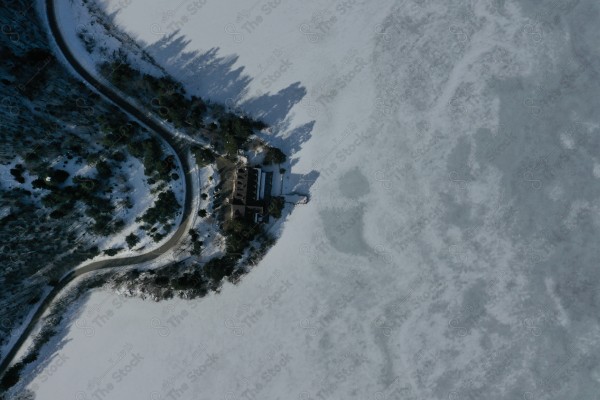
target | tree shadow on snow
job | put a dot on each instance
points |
(219, 78)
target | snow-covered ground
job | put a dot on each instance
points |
(80, 23)
(207, 228)
(136, 187)
(22, 325)
(448, 250)
(130, 182)
(90, 35)
(8, 182)
(87, 36)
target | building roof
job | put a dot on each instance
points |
(246, 192)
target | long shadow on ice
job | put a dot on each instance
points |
(216, 77)
(206, 74)
(219, 78)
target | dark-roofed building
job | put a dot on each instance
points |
(249, 195)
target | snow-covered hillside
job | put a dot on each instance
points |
(448, 250)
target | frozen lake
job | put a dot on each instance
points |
(448, 249)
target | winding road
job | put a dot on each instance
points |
(152, 125)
